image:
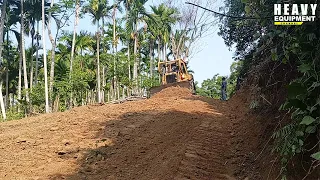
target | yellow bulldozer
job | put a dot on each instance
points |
(174, 73)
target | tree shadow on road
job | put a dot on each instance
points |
(139, 145)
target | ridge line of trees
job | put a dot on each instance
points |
(81, 68)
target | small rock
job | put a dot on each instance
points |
(191, 155)
(62, 153)
(66, 142)
(54, 128)
(131, 126)
(21, 140)
(99, 157)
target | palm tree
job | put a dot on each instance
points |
(3, 17)
(22, 47)
(114, 45)
(11, 19)
(159, 25)
(76, 20)
(136, 14)
(81, 44)
(152, 36)
(127, 4)
(165, 17)
(97, 9)
(82, 41)
(16, 8)
(45, 59)
(33, 15)
(53, 50)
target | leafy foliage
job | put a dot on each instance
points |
(118, 59)
(212, 87)
(259, 41)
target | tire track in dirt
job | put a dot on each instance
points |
(204, 155)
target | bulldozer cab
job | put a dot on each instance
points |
(173, 71)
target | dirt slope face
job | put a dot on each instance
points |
(173, 135)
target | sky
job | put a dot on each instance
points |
(212, 57)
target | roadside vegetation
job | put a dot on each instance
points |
(283, 65)
(117, 60)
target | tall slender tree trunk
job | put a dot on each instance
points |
(20, 81)
(98, 64)
(31, 65)
(135, 63)
(129, 61)
(114, 52)
(103, 83)
(11, 100)
(159, 57)
(7, 72)
(3, 17)
(117, 80)
(108, 96)
(128, 51)
(151, 59)
(123, 93)
(73, 46)
(118, 90)
(45, 60)
(7, 87)
(111, 92)
(159, 50)
(165, 52)
(103, 67)
(3, 110)
(53, 52)
(25, 74)
(37, 55)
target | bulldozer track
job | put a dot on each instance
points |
(202, 159)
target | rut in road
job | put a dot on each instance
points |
(173, 135)
(204, 155)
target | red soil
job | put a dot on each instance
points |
(173, 135)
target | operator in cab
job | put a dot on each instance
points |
(163, 69)
(174, 68)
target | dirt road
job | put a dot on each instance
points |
(173, 135)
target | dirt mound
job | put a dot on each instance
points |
(173, 135)
(178, 92)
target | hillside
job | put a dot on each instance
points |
(84, 76)
(173, 135)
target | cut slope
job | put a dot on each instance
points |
(173, 135)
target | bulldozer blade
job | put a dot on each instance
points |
(186, 84)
